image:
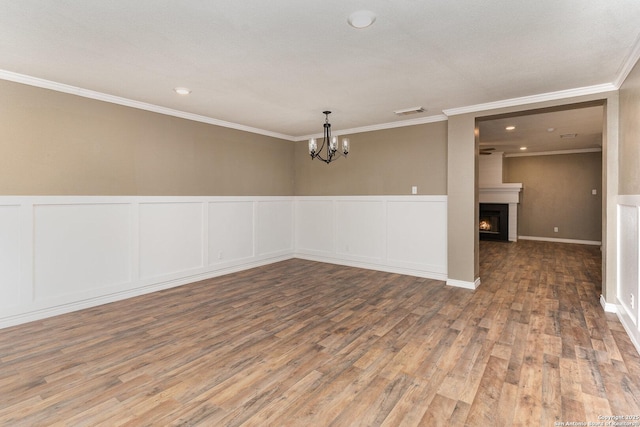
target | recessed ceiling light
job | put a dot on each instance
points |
(550, 129)
(510, 128)
(361, 19)
(413, 110)
(182, 90)
(523, 148)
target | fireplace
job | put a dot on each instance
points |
(494, 221)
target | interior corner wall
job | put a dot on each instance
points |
(54, 143)
(100, 202)
(557, 192)
(627, 291)
(382, 162)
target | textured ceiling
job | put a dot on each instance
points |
(276, 65)
(549, 131)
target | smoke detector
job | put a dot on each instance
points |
(361, 19)
(407, 111)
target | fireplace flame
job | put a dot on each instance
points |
(485, 225)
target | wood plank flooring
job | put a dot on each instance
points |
(299, 343)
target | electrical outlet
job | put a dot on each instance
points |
(555, 229)
(414, 189)
(220, 255)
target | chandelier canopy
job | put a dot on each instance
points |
(330, 142)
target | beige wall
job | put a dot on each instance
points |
(53, 143)
(384, 162)
(557, 193)
(629, 172)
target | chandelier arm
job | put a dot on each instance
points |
(318, 156)
(319, 153)
(321, 147)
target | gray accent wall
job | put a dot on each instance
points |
(557, 192)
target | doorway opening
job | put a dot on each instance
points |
(556, 154)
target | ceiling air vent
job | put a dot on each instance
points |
(568, 135)
(407, 111)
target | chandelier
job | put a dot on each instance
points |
(330, 142)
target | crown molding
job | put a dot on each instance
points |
(628, 64)
(100, 96)
(553, 153)
(86, 93)
(382, 126)
(550, 96)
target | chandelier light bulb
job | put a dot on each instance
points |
(333, 146)
(345, 146)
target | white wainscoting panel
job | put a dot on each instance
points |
(63, 253)
(171, 238)
(314, 219)
(359, 227)
(80, 249)
(628, 258)
(412, 230)
(401, 234)
(274, 227)
(628, 288)
(10, 256)
(231, 231)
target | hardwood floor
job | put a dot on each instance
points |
(312, 344)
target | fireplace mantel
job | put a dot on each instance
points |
(507, 194)
(500, 193)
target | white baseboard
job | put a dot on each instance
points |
(374, 266)
(464, 284)
(628, 327)
(607, 306)
(57, 310)
(624, 318)
(555, 240)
